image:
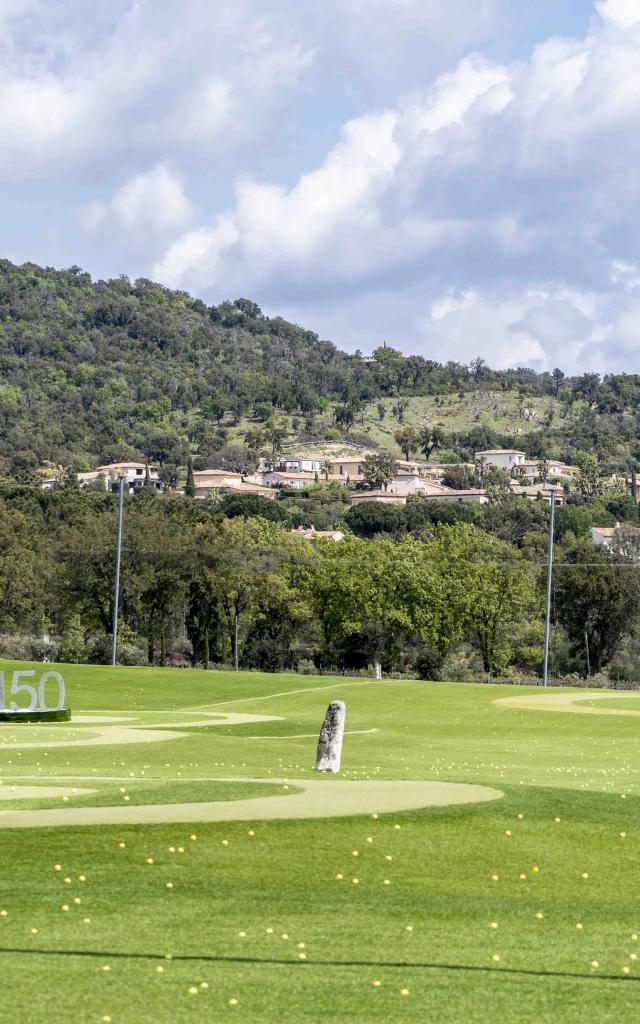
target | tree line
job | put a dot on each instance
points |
(233, 583)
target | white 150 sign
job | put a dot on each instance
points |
(37, 697)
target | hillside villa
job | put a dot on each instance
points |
(136, 475)
(343, 462)
(209, 482)
(625, 539)
(502, 458)
(529, 470)
(476, 496)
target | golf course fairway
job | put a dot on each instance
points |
(169, 855)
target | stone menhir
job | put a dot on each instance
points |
(330, 742)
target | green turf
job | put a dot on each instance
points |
(615, 701)
(240, 905)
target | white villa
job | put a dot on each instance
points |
(543, 491)
(502, 458)
(338, 459)
(625, 538)
(529, 470)
(133, 473)
(294, 464)
(474, 495)
(210, 481)
(290, 479)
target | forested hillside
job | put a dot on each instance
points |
(91, 372)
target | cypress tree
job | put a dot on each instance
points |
(190, 486)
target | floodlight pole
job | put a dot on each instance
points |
(116, 594)
(547, 624)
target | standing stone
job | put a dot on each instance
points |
(330, 742)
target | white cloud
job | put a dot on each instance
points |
(154, 201)
(454, 94)
(12, 9)
(148, 208)
(492, 177)
(402, 43)
(621, 13)
(136, 82)
(626, 274)
(202, 250)
(186, 77)
(276, 230)
(205, 110)
(535, 325)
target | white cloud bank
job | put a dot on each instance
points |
(135, 79)
(84, 87)
(500, 201)
(478, 208)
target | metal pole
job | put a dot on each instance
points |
(116, 594)
(586, 645)
(547, 624)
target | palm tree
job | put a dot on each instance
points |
(543, 470)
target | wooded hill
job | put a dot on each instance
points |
(93, 372)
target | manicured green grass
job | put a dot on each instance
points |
(245, 896)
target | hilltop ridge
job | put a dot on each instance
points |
(95, 371)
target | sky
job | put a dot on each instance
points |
(457, 178)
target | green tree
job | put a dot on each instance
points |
(558, 377)
(74, 648)
(276, 437)
(368, 519)
(499, 587)
(588, 481)
(251, 505)
(379, 470)
(383, 591)
(430, 438)
(543, 470)
(385, 355)
(242, 559)
(399, 408)
(344, 417)
(597, 601)
(190, 486)
(497, 479)
(407, 441)
(24, 571)
(460, 478)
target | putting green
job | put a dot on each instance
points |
(40, 792)
(567, 702)
(107, 730)
(317, 798)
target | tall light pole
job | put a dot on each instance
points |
(547, 624)
(116, 594)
